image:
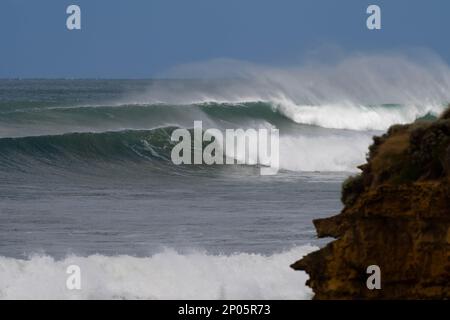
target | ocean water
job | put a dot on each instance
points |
(86, 179)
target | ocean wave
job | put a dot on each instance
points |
(355, 117)
(165, 275)
(317, 151)
(331, 137)
(278, 111)
(128, 144)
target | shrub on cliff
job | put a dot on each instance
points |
(446, 113)
(429, 147)
(351, 188)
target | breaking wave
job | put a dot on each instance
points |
(166, 275)
(278, 111)
(92, 135)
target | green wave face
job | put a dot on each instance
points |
(72, 148)
(141, 151)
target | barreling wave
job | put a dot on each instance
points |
(73, 150)
(152, 148)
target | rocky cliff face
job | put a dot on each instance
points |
(396, 216)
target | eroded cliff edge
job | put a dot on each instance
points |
(396, 215)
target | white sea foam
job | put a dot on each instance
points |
(166, 275)
(330, 151)
(354, 117)
(323, 153)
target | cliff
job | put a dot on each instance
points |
(396, 215)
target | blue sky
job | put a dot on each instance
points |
(142, 38)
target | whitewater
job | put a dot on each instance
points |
(165, 275)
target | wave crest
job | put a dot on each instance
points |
(355, 117)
